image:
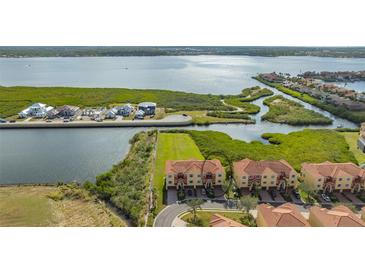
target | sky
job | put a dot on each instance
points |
(184, 22)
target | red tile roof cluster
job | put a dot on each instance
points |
(251, 167)
(340, 216)
(185, 166)
(328, 169)
(221, 221)
(286, 215)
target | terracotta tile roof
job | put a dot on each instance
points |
(221, 221)
(340, 216)
(250, 167)
(334, 169)
(286, 215)
(184, 166)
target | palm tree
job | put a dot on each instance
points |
(309, 189)
(194, 205)
(247, 202)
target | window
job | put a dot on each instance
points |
(340, 179)
(170, 176)
(170, 182)
(292, 181)
(190, 181)
(265, 176)
(199, 181)
(320, 179)
(244, 177)
(272, 182)
(348, 179)
(293, 176)
(219, 175)
(339, 185)
(272, 177)
(318, 186)
(219, 181)
(264, 183)
(191, 175)
(347, 185)
(199, 175)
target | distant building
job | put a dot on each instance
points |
(329, 177)
(52, 114)
(67, 111)
(37, 110)
(125, 110)
(340, 216)
(194, 173)
(286, 215)
(111, 114)
(139, 114)
(148, 108)
(218, 220)
(250, 174)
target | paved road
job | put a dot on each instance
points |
(166, 217)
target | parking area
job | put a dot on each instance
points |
(199, 192)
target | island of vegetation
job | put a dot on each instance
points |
(286, 111)
(203, 108)
(84, 51)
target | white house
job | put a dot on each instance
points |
(125, 110)
(38, 110)
(111, 114)
(139, 114)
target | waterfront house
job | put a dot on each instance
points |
(218, 220)
(286, 215)
(185, 174)
(266, 174)
(340, 216)
(329, 177)
(111, 114)
(125, 110)
(148, 108)
(67, 111)
(52, 114)
(139, 114)
(37, 110)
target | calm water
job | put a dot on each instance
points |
(51, 155)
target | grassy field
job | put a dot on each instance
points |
(201, 118)
(244, 106)
(282, 110)
(206, 216)
(171, 146)
(31, 206)
(14, 99)
(351, 139)
(354, 116)
(296, 147)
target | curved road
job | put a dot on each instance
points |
(166, 217)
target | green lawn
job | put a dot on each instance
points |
(351, 139)
(171, 146)
(283, 110)
(14, 99)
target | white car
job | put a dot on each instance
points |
(325, 197)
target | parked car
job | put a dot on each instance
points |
(273, 193)
(203, 191)
(185, 115)
(296, 194)
(326, 197)
(12, 121)
(2, 121)
(66, 120)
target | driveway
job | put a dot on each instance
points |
(265, 197)
(352, 197)
(342, 198)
